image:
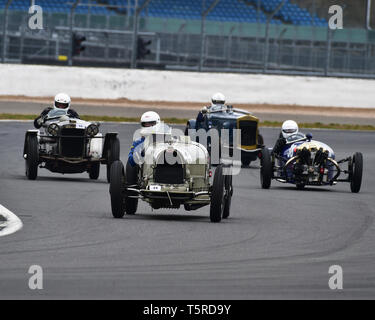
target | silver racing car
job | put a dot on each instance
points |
(69, 145)
(174, 171)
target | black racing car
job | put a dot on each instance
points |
(227, 117)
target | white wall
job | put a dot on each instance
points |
(46, 81)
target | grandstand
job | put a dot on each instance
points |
(235, 36)
(245, 11)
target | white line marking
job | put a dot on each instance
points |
(12, 223)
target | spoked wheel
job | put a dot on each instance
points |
(32, 157)
(131, 176)
(113, 155)
(94, 171)
(265, 169)
(217, 196)
(116, 188)
(228, 194)
(356, 172)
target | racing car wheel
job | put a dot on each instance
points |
(356, 171)
(266, 169)
(217, 196)
(112, 155)
(32, 157)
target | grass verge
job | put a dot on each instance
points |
(172, 120)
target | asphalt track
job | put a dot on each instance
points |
(278, 243)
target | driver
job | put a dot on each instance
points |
(62, 101)
(217, 102)
(288, 129)
(148, 119)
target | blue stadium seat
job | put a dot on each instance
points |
(226, 10)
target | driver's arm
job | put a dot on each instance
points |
(73, 114)
(132, 149)
(279, 145)
(200, 117)
(38, 122)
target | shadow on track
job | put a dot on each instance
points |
(166, 217)
(306, 189)
(61, 178)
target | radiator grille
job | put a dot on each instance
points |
(248, 132)
(72, 142)
(170, 174)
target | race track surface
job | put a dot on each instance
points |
(278, 243)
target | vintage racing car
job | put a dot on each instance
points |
(306, 162)
(227, 117)
(68, 145)
(174, 171)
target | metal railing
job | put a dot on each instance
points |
(187, 45)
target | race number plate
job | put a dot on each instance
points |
(155, 188)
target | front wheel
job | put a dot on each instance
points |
(217, 196)
(131, 177)
(265, 169)
(300, 186)
(32, 157)
(94, 171)
(116, 187)
(356, 172)
(113, 155)
(260, 140)
(245, 162)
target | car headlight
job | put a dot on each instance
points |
(92, 130)
(53, 129)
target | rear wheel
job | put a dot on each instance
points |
(32, 157)
(117, 182)
(94, 170)
(131, 176)
(356, 172)
(228, 195)
(113, 154)
(265, 169)
(217, 196)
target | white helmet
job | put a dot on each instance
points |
(150, 119)
(289, 128)
(62, 101)
(217, 99)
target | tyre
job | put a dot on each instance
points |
(356, 172)
(265, 169)
(245, 162)
(228, 195)
(113, 155)
(117, 182)
(260, 140)
(217, 196)
(32, 157)
(131, 176)
(94, 170)
(300, 186)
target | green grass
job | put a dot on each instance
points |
(318, 125)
